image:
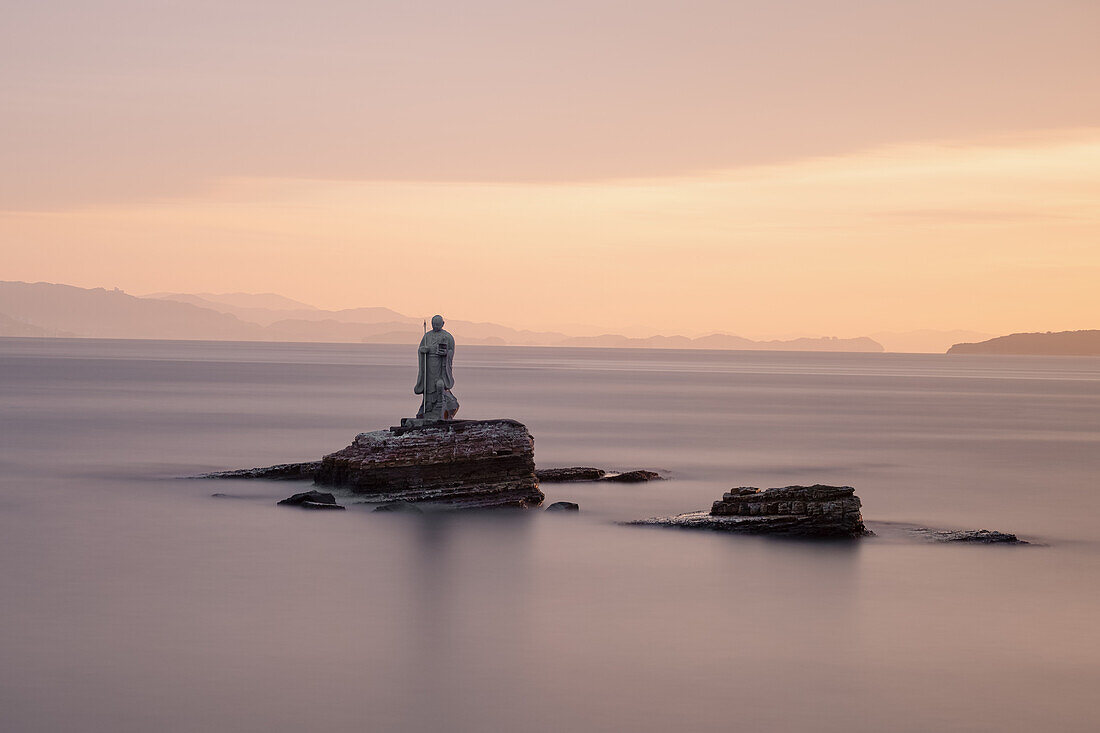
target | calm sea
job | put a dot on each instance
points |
(131, 600)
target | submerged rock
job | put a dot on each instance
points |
(399, 506)
(309, 497)
(807, 511)
(587, 473)
(633, 477)
(567, 475)
(456, 463)
(380, 473)
(563, 506)
(977, 536)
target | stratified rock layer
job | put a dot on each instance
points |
(281, 472)
(459, 463)
(816, 500)
(974, 536)
(808, 511)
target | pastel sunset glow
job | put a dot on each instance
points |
(762, 170)
(546, 366)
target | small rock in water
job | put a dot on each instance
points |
(399, 506)
(566, 475)
(634, 477)
(217, 495)
(563, 506)
(313, 497)
(976, 536)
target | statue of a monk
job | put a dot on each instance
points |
(435, 376)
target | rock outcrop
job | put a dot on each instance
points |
(455, 463)
(459, 463)
(807, 511)
(633, 477)
(563, 506)
(569, 475)
(308, 470)
(282, 472)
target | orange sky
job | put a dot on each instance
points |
(764, 169)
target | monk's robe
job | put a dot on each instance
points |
(435, 375)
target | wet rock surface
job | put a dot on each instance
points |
(806, 511)
(309, 497)
(567, 475)
(563, 506)
(633, 477)
(456, 463)
(387, 478)
(975, 536)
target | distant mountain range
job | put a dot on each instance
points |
(47, 309)
(1056, 343)
(267, 308)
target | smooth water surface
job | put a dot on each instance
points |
(132, 600)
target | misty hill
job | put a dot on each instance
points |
(383, 325)
(273, 301)
(1057, 343)
(367, 324)
(114, 314)
(11, 327)
(67, 310)
(279, 308)
(329, 329)
(46, 309)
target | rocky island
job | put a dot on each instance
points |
(806, 511)
(460, 464)
(431, 458)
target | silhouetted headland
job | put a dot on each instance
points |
(1056, 343)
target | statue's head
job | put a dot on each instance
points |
(437, 323)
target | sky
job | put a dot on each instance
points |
(768, 169)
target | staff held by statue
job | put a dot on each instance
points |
(424, 371)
